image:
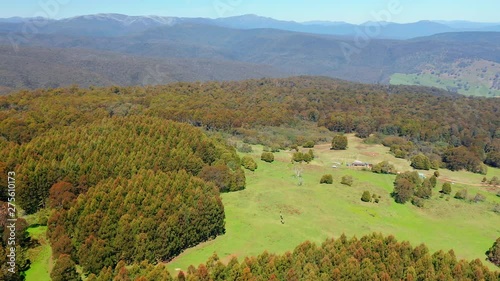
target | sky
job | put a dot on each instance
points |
(352, 11)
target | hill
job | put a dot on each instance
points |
(36, 67)
(175, 47)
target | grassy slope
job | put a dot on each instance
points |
(315, 212)
(40, 256)
(480, 76)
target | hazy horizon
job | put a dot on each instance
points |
(355, 12)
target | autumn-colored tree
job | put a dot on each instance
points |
(61, 195)
(64, 270)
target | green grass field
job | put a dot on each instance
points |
(39, 256)
(315, 212)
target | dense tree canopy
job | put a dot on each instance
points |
(372, 257)
(152, 216)
(112, 147)
(414, 113)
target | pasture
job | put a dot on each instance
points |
(315, 212)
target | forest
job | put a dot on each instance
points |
(371, 257)
(132, 176)
(458, 132)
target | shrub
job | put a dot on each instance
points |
(420, 162)
(248, 163)
(366, 197)
(405, 185)
(479, 198)
(347, 180)
(326, 179)
(267, 157)
(384, 167)
(307, 157)
(496, 208)
(298, 157)
(494, 181)
(433, 181)
(461, 194)
(311, 153)
(417, 202)
(309, 144)
(339, 142)
(446, 189)
(436, 174)
(245, 148)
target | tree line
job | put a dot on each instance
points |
(419, 115)
(371, 257)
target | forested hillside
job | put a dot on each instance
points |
(130, 178)
(157, 53)
(123, 188)
(435, 122)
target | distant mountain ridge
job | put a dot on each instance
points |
(126, 49)
(119, 25)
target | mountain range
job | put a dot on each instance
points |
(107, 49)
(118, 24)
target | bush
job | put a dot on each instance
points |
(298, 157)
(326, 179)
(309, 144)
(245, 148)
(339, 142)
(311, 153)
(248, 163)
(405, 185)
(307, 157)
(347, 180)
(496, 208)
(418, 202)
(461, 194)
(267, 157)
(384, 167)
(436, 174)
(446, 189)
(479, 198)
(495, 181)
(366, 197)
(433, 181)
(420, 162)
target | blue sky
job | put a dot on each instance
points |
(353, 11)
